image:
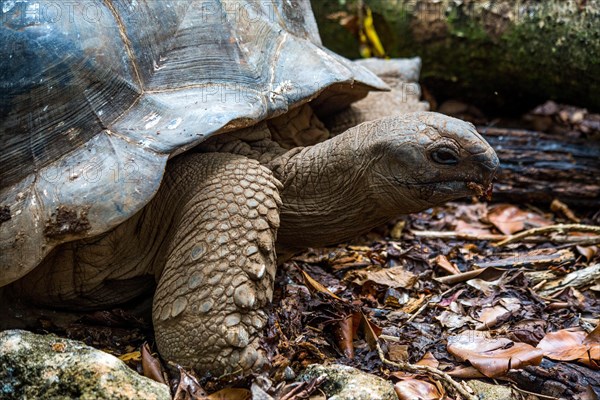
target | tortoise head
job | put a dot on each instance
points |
(424, 159)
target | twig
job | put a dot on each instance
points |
(419, 311)
(515, 387)
(462, 389)
(456, 235)
(561, 228)
(443, 235)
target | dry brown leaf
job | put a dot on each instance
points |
(593, 337)
(486, 287)
(491, 316)
(188, 388)
(510, 219)
(151, 366)
(572, 344)
(454, 320)
(414, 304)
(588, 252)
(398, 352)
(471, 228)
(443, 262)
(559, 206)
(317, 286)
(411, 388)
(429, 360)
(466, 372)
(395, 277)
(372, 331)
(492, 357)
(488, 274)
(344, 333)
(231, 394)
(528, 331)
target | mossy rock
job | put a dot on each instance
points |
(52, 368)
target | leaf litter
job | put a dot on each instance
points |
(465, 291)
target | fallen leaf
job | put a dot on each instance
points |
(593, 337)
(492, 357)
(488, 274)
(411, 389)
(151, 366)
(466, 372)
(486, 287)
(471, 228)
(395, 277)
(491, 316)
(510, 219)
(344, 333)
(588, 252)
(446, 301)
(528, 331)
(371, 330)
(429, 360)
(189, 388)
(572, 344)
(414, 304)
(396, 298)
(559, 206)
(316, 286)
(398, 352)
(453, 320)
(443, 262)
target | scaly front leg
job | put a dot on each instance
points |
(220, 263)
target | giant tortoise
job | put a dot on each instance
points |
(142, 151)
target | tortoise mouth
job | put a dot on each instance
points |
(451, 189)
(483, 191)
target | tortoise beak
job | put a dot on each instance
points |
(486, 166)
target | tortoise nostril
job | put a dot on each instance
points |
(444, 156)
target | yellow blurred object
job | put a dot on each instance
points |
(370, 42)
(134, 355)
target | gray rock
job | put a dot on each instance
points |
(52, 368)
(347, 383)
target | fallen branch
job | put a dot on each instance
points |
(456, 236)
(577, 279)
(532, 259)
(560, 228)
(444, 235)
(461, 388)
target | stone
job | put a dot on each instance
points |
(347, 383)
(49, 367)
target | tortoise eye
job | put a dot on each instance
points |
(444, 156)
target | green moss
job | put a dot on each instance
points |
(491, 53)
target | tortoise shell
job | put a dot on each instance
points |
(96, 97)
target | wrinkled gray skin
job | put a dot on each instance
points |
(212, 235)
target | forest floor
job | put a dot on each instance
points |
(503, 293)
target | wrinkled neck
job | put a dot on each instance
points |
(326, 195)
